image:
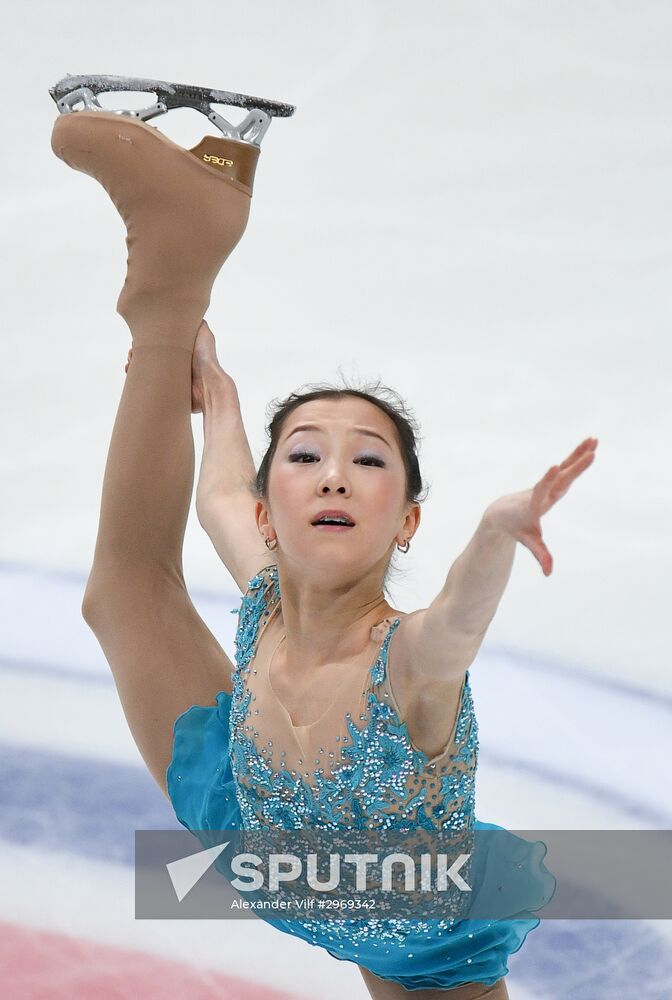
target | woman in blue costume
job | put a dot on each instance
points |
(344, 713)
(341, 713)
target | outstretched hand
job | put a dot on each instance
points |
(519, 514)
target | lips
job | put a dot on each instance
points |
(333, 514)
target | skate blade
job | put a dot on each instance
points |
(84, 90)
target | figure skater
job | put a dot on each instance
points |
(340, 712)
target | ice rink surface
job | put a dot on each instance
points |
(473, 204)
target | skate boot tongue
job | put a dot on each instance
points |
(234, 159)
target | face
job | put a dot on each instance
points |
(347, 460)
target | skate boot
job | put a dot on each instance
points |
(184, 209)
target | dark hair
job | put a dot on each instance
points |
(389, 401)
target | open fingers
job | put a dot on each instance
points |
(566, 476)
(565, 473)
(552, 486)
(587, 446)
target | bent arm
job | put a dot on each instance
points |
(225, 504)
(227, 466)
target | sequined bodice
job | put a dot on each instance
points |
(367, 776)
(357, 769)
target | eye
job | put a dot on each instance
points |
(371, 460)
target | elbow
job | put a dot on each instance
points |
(212, 508)
(204, 506)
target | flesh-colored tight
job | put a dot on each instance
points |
(183, 218)
(381, 989)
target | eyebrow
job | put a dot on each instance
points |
(359, 430)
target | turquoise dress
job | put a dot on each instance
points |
(226, 774)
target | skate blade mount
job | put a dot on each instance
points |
(74, 90)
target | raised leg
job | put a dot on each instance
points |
(182, 222)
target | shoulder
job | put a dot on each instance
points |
(432, 705)
(260, 587)
(261, 595)
(262, 578)
(422, 664)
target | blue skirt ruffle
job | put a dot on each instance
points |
(417, 954)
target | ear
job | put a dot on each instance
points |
(261, 515)
(412, 520)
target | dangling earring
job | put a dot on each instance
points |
(271, 547)
(408, 545)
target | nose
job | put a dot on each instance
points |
(334, 480)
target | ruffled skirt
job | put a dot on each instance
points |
(416, 953)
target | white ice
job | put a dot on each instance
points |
(472, 203)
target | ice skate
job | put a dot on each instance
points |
(184, 209)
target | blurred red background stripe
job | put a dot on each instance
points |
(38, 965)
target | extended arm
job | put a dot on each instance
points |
(445, 637)
(477, 579)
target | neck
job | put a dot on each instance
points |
(324, 626)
